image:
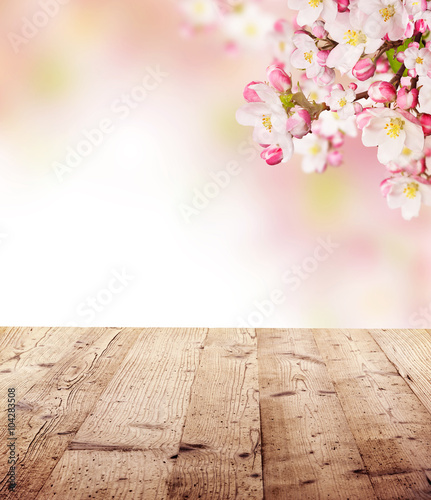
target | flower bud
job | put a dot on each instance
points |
(299, 122)
(343, 5)
(364, 69)
(425, 121)
(358, 108)
(421, 26)
(318, 29)
(322, 56)
(326, 78)
(278, 78)
(382, 66)
(250, 95)
(407, 99)
(382, 92)
(337, 140)
(273, 155)
(335, 158)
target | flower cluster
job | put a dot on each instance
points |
(346, 66)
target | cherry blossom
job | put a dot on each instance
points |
(315, 150)
(342, 101)
(417, 59)
(363, 65)
(407, 193)
(391, 131)
(268, 118)
(305, 55)
(310, 10)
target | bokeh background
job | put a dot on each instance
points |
(122, 209)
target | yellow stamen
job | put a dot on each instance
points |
(394, 127)
(419, 60)
(266, 121)
(354, 38)
(406, 152)
(282, 46)
(411, 190)
(308, 56)
(315, 150)
(387, 13)
(314, 3)
(342, 102)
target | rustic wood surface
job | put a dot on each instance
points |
(217, 413)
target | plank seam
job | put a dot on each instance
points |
(365, 468)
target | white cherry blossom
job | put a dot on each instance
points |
(348, 31)
(315, 150)
(310, 10)
(268, 118)
(391, 131)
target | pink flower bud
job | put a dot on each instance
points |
(322, 56)
(382, 66)
(382, 92)
(337, 140)
(407, 99)
(364, 69)
(326, 78)
(335, 158)
(353, 86)
(278, 78)
(250, 95)
(421, 26)
(318, 29)
(410, 29)
(273, 155)
(425, 121)
(343, 5)
(400, 57)
(299, 122)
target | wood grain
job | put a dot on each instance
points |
(391, 426)
(27, 354)
(51, 411)
(308, 449)
(192, 413)
(220, 457)
(140, 414)
(410, 352)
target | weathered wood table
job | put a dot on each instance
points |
(215, 413)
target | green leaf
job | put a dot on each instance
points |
(391, 54)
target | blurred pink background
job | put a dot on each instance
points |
(123, 206)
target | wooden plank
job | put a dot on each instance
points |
(27, 354)
(410, 352)
(51, 411)
(220, 455)
(309, 451)
(391, 426)
(127, 446)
